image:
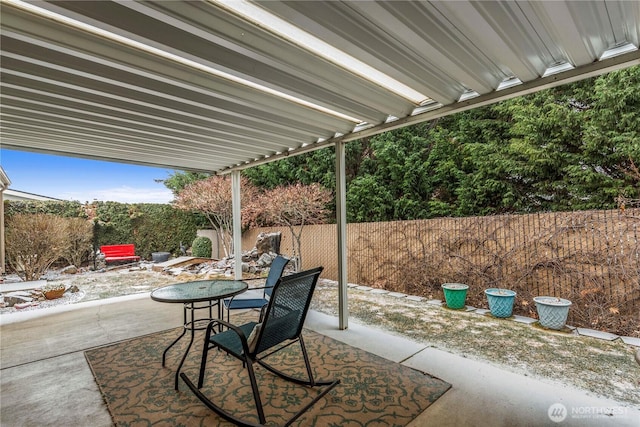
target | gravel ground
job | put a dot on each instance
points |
(95, 285)
(605, 368)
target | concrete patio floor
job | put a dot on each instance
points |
(45, 379)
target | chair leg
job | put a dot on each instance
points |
(245, 362)
(256, 391)
(205, 354)
(306, 361)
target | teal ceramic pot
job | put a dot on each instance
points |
(455, 295)
(500, 301)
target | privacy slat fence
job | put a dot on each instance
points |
(590, 257)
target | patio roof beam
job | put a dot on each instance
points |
(594, 69)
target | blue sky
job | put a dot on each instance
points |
(69, 178)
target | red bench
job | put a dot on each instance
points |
(114, 253)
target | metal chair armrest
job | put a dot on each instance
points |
(216, 322)
(232, 327)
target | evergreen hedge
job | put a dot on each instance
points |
(150, 227)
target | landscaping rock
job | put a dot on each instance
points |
(14, 299)
(399, 295)
(72, 269)
(631, 341)
(268, 243)
(524, 319)
(597, 334)
(23, 305)
(249, 256)
(100, 261)
(266, 259)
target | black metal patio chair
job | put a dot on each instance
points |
(257, 297)
(281, 324)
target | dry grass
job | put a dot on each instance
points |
(96, 285)
(118, 283)
(602, 367)
(606, 368)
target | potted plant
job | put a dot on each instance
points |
(53, 291)
(552, 311)
(500, 301)
(455, 295)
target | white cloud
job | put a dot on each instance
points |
(123, 194)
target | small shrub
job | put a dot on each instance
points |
(80, 237)
(201, 247)
(34, 242)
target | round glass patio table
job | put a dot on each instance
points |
(192, 295)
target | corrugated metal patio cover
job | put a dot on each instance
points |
(208, 85)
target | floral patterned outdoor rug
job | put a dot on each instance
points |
(373, 390)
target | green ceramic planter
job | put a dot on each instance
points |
(500, 301)
(552, 311)
(455, 295)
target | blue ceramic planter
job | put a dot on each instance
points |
(500, 301)
(552, 311)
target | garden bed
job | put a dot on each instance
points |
(605, 368)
